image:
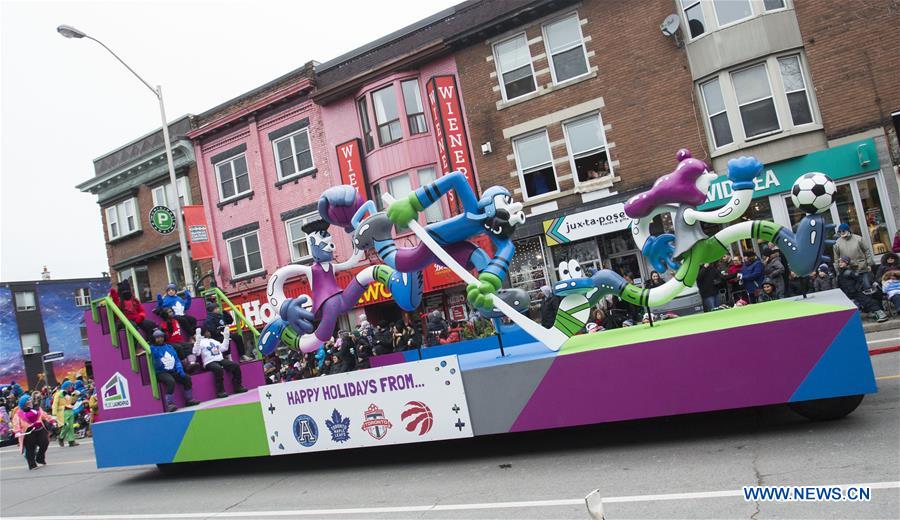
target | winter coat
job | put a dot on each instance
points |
(178, 304)
(774, 270)
(891, 288)
(823, 283)
(210, 349)
(895, 247)
(549, 307)
(856, 249)
(174, 330)
(752, 275)
(165, 359)
(131, 308)
(849, 281)
(708, 281)
(884, 267)
(61, 401)
(216, 322)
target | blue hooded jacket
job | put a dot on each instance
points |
(164, 363)
(752, 276)
(176, 302)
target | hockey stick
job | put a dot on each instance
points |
(551, 338)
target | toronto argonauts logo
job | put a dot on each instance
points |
(305, 430)
(376, 423)
(417, 417)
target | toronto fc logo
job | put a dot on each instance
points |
(376, 424)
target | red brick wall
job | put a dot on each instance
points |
(644, 81)
(853, 50)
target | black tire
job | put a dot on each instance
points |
(827, 409)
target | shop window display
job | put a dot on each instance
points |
(586, 252)
(875, 222)
(527, 271)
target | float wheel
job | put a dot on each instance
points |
(827, 409)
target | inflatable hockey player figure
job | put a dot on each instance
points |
(494, 214)
(294, 324)
(689, 248)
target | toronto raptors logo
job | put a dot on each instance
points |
(417, 417)
(375, 423)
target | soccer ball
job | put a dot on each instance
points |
(813, 192)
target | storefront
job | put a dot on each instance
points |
(862, 199)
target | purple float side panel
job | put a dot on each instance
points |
(734, 368)
(252, 376)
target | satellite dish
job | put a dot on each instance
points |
(670, 25)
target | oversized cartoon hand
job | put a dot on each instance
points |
(296, 316)
(402, 211)
(340, 196)
(742, 171)
(479, 294)
(658, 250)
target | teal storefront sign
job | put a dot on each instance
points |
(838, 163)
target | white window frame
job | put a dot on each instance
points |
(82, 296)
(569, 151)
(521, 173)
(500, 71)
(297, 170)
(246, 256)
(423, 113)
(233, 178)
(686, 22)
(118, 214)
(711, 16)
(805, 88)
(709, 115)
(720, 25)
(309, 217)
(26, 307)
(160, 194)
(171, 266)
(587, 62)
(39, 345)
(765, 67)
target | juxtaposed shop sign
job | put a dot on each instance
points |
(838, 163)
(350, 165)
(586, 224)
(198, 232)
(397, 404)
(450, 131)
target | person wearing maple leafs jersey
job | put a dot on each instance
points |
(211, 353)
(169, 371)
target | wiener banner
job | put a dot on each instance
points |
(450, 131)
(396, 404)
(198, 232)
(352, 167)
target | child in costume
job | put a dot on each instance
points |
(31, 430)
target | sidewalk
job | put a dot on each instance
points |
(891, 324)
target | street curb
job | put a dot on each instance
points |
(891, 324)
(884, 350)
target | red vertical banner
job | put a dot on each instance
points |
(198, 232)
(450, 131)
(351, 167)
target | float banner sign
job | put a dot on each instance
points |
(198, 232)
(350, 165)
(450, 131)
(839, 162)
(397, 404)
(586, 224)
(162, 219)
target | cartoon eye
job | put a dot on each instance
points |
(564, 271)
(497, 230)
(575, 269)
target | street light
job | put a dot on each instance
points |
(70, 32)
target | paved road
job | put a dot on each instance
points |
(690, 454)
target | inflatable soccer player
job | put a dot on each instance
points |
(494, 214)
(294, 325)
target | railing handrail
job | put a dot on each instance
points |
(242, 320)
(131, 336)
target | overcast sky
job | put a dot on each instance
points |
(65, 102)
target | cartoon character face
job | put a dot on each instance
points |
(507, 214)
(572, 280)
(322, 246)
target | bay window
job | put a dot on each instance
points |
(415, 112)
(387, 115)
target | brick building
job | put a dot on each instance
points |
(128, 182)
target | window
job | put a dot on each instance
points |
(718, 116)
(693, 11)
(31, 343)
(297, 239)
(433, 213)
(245, 255)
(82, 297)
(535, 163)
(363, 109)
(163, 194)
(514, 67)
(387, 116)
(376, 195)
(233, 177)
(729, 11)
(399, 187)
(795, 90)
(293, 154)
(412, 101)
(587, 148)
(755, 102)
(174, 269)
(25, 301)
(566, 49)
(140, 281)
(84, 335)
(772, 5)
(122, 219)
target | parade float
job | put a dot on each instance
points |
(807, 351)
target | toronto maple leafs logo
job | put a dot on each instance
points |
(178, 307)
(339, 427)
(168, 361)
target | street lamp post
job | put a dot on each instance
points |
(71, 32)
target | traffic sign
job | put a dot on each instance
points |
(162, 219)
(53, 356)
